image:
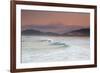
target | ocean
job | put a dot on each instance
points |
(39, 49)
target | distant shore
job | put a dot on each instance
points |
(59, 35)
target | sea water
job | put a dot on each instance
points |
(54, 48)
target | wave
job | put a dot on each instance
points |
(54, 42)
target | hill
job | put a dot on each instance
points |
(80, 32)
(36, 32)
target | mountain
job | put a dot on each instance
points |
(30, 31)
(36, 32)
(80, 32)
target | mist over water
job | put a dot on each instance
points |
(54, 49)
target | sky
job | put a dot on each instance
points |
(51, 21)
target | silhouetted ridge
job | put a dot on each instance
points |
(37, 32)
(80, 32)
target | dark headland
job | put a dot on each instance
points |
(79, 32)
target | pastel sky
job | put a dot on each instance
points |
(51, 21)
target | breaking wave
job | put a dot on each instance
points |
(55, 42)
